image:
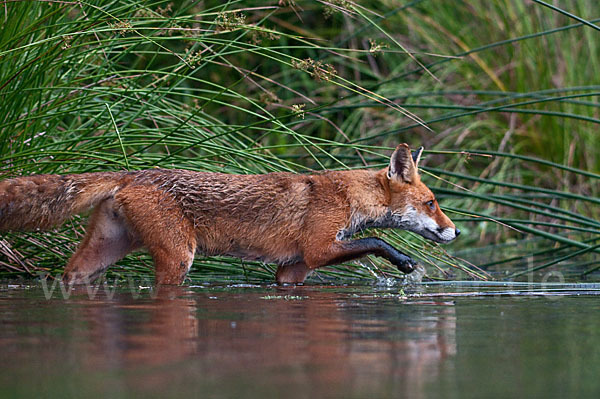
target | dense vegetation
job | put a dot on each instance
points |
(502, 94)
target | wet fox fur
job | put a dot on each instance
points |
(299, 222)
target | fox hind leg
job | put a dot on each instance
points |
(106, 241)
(164, 231)
(172, 261)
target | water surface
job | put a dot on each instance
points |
(322, 341)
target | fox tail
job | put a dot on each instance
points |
(43, 201)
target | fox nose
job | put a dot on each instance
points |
(457, 232)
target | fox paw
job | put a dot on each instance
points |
(405, 264)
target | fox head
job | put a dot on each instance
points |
(412, 206)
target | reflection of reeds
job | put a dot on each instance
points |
(252, 89)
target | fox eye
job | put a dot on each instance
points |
(431, 204)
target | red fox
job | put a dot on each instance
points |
(299, 222)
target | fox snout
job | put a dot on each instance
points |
(440, 226)
(431, 231)
(444, 235)
(436, 227)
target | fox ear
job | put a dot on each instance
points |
(402, 165)
(416, 156)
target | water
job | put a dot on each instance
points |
(252, 341)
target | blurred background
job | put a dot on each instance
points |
(502, 94)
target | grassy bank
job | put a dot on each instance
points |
(502, 94)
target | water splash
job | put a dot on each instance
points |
(416, 277)
(386, 282)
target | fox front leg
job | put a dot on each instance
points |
(292, 274)
(377, 246)
(343, 251)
